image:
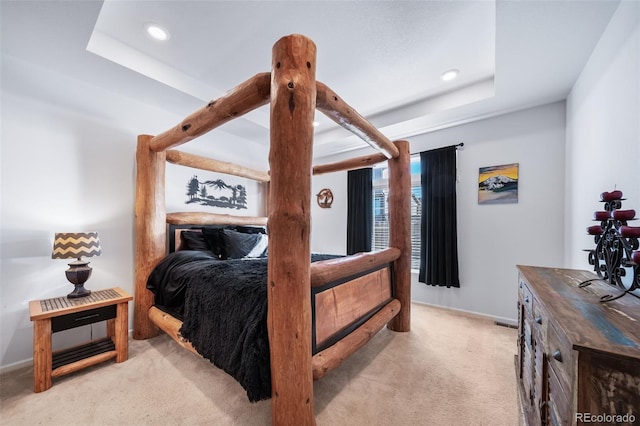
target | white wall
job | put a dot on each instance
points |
(329, 225)
(603, 130)
(492, 239)
(64, 169)
(61, 172)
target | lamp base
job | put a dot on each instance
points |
(78, 272)
(78, 292)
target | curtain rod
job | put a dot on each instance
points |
(457, 147)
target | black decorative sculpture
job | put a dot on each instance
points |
(616, 248)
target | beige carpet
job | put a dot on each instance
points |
(451, 369)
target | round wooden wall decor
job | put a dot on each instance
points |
(325, 198)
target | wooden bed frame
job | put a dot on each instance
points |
(330, 308)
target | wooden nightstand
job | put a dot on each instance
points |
(58, 314)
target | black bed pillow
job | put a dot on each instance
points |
(213, 237)
(237, 245)
(231, 247)
(192, 240)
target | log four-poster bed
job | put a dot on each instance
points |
(317, 313)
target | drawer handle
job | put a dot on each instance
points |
(539, 320)
(526, 299)
(87, 317)
(557, 355)
(543, 414)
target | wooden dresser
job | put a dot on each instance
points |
(578, 359)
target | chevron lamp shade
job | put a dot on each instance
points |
(75, 246)
(70, 245)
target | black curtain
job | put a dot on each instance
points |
(359, 210)
(439, 230)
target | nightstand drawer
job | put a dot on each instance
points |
(78, 319)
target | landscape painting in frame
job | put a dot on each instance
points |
(498, 184)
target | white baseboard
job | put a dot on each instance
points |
(502, 320)
(16, 366)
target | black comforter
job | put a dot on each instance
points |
(223, 305)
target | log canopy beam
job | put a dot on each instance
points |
(327, 271)
(400, 232)
(339, 111)
(293, 95)
(350, 164)
(203, 163)
(202, 219)
(244, 98)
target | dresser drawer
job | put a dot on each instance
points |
(525, 296)
(521, 286)
(539, 377)
(559, 408)
(560, 356)
(540, 319)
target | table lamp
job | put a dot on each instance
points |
(74, 246)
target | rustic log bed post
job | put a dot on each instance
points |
(400, 232)
(318, 314)
(150, 230)
(293, 93)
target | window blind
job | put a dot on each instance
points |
(380, 236)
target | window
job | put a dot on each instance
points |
(380, 237)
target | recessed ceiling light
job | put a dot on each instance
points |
(449, 75)
(157, 32)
